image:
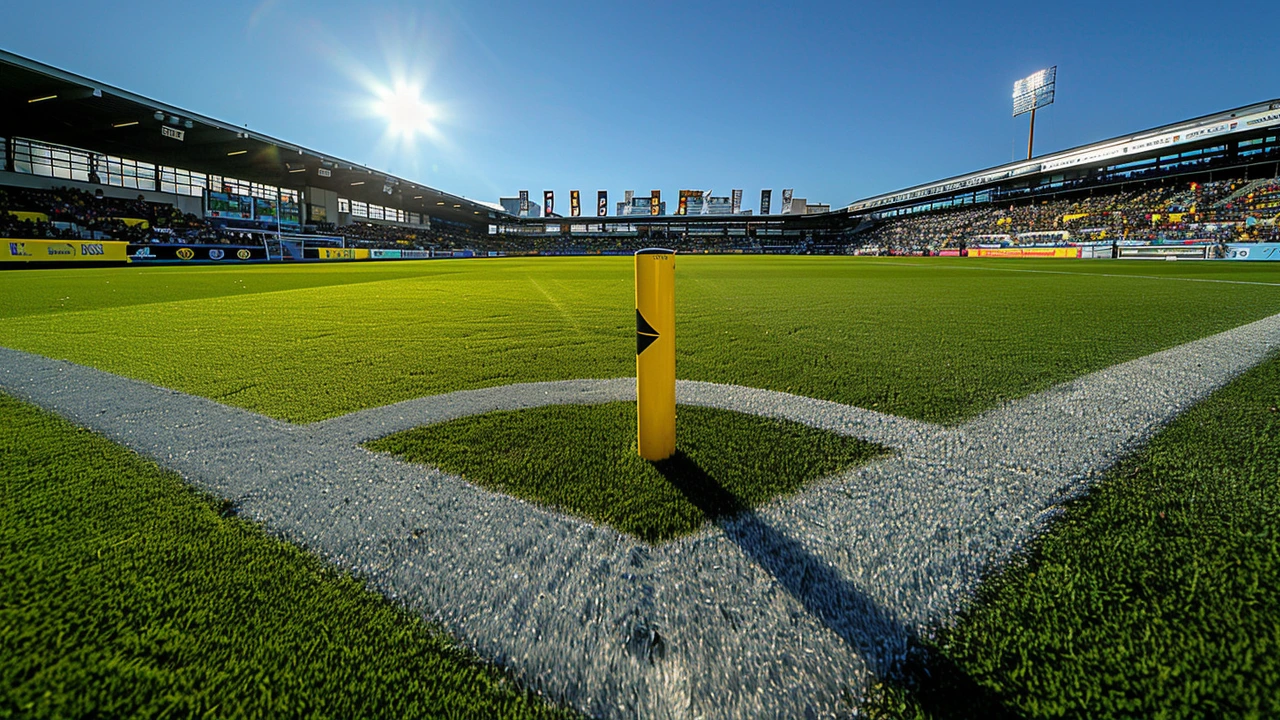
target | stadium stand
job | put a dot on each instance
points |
(68, 213)
(1212, 212)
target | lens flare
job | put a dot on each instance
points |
(406, 113)
(404, 95)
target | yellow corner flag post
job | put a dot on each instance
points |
(656, 352)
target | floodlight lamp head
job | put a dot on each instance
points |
(1034, 91)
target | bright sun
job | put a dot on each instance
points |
(406, 113)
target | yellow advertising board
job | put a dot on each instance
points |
(326, 253)
(29, 216)
(1030, 252)
(63, 251)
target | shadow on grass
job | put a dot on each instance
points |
(891, 650)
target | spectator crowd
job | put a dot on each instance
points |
(1213, 212)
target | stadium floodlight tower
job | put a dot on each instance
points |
(1032, 93)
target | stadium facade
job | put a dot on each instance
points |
(62, 129)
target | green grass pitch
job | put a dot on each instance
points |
(725, 462)
(126, 594)
(1157, 595)
(1156, 592)
(936, 341)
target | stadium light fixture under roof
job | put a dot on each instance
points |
(1032, 93)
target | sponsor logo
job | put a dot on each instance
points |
(186, 254)
(1253, 251)
(90, 249)
(1214, 130)
(63, 249)
(243, 254)
(1273, 117)
(1156, 142)
(144, 254)
(216, 254)
(18, 250)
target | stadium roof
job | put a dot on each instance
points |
(1137, 145)
(41, 102)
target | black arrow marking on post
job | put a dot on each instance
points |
(645, 334)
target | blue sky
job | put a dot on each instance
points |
(839, 100)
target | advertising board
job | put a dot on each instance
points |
(181, 253)
(328, 253)
(1030, 252)
(1253, 252)
(63, 251)
(1162, 252)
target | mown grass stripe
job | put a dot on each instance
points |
(905, 339)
